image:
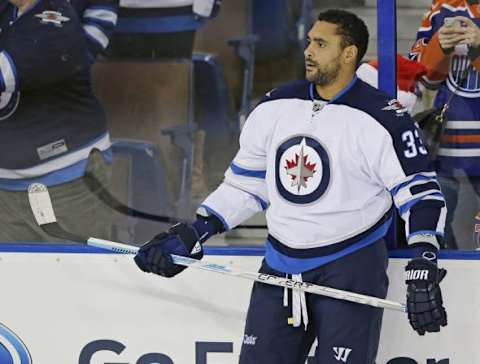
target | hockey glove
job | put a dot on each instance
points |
(424, 297)
(155, 255)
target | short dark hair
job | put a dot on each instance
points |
(352, 29)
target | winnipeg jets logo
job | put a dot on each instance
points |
(8, 104)
(302, 170)
(395, 105)
(52, 17)
(341, 354)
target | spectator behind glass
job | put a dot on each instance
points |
(408, 75)
(52, 127)
(450, 50)
(159, 28)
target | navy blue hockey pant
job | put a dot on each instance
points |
(346, 332)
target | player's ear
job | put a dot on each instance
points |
(350, 54)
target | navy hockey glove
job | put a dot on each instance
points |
(155, 255)
(424, 297)
(181, 239)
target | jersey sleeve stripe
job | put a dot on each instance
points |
(408, 205)
(429, 217)
(96, 34)
(103, 16)
(262, 202)
(428, 186)
(247, 172)
(216, 214)
(8, 74)
(425, 177)
(407, 195)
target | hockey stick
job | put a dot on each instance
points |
(42, 209)
(108, 199)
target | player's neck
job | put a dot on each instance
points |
(24, 5)
(330, 91)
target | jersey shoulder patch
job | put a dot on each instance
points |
(388, 112)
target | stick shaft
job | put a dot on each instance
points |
(259, 277)
(44, 214)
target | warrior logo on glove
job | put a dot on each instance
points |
(424, 297)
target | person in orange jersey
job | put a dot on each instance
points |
(448, 44)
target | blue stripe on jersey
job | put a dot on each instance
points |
(290, 265)
(106, 25)
(460, 131)
(461, 108)
(262, 202)
(247, 172)
(3, 86)
(312, 91)
(461, 145)
(63, 175)
(407, 206)
(159, 24)
(417, 177)
(345, 89)
(425, 34)
(216, 214)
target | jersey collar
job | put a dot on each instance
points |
(15, 11)
(312, 91)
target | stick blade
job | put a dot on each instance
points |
(41, 204)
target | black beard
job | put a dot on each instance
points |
(326, 78)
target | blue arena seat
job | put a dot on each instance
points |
(139, 180)
(212, 103)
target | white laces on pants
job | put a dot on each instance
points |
(299, 303)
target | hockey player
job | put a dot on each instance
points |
(326, 158)
(50, 120)
(448, 44)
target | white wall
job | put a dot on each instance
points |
(61, 304)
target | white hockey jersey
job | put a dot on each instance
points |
(326, 172)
